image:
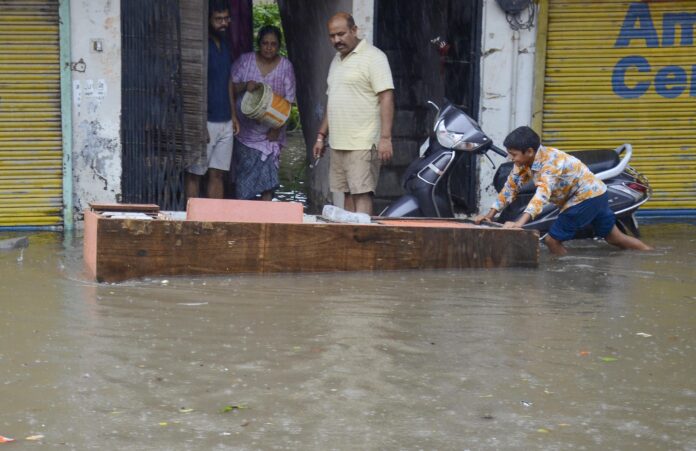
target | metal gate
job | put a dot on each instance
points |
(152, 106)
(625, 71)
(31, 151)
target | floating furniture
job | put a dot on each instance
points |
(223, 237)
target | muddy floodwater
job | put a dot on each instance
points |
(594, 351)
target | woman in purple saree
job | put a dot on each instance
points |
(258, 147)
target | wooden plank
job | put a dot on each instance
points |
(387, 220)
(194, 69)
(228, 210)
(438, 223)
(89, 243)
(141, 208)
(129, 249)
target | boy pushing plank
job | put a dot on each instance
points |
(564, 181)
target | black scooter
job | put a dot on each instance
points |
(429, 179)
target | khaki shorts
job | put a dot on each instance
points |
(219, 150)
(354, 171)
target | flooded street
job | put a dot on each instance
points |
(591, 351)
(292, 172)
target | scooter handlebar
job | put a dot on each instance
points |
(499, 151)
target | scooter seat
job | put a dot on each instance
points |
(596, 160)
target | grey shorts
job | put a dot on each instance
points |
(219, 150)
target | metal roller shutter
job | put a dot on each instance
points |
(30, 114)
(620, 71)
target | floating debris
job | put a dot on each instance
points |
(14, 243)
(643, 334)
(232, 407)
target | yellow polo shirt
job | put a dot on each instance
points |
(353, 108)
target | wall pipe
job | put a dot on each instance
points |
(514, 78)
(66, 112)
(540, 66)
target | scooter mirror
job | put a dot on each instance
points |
(499, 151)
(437, 113)
(434, 105)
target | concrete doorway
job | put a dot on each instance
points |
(404, 29)
(434, 50)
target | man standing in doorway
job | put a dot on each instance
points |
(359, 115)
(222, 121)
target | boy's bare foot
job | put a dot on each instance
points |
(620, 239)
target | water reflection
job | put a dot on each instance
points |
(292, 172)
(591, 351)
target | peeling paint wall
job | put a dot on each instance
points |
(507, 83)
(96, 93)
(363, 13)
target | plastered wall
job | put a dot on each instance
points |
(363, 13)
(96, 101)
(507, 82)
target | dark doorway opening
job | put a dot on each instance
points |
(164, 111)
(434, 51)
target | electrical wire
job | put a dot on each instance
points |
(515, 21)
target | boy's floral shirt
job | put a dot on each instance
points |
(559, 178)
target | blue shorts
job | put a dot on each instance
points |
(593, 211)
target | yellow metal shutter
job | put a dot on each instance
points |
(30, 121)
(625, 71)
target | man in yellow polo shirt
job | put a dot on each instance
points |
(359, 115)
